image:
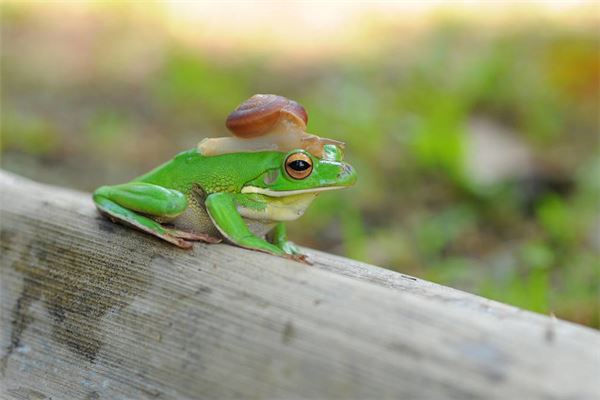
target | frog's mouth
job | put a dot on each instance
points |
(285, 193)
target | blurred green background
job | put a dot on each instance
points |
(474, 130)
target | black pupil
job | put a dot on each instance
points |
(299, 165)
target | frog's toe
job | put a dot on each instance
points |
(181, 243)
(196, 237)
(302, 258)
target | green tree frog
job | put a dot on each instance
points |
(242, 197)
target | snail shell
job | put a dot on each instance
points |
(261, 113)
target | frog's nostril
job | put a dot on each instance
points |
(346, 170)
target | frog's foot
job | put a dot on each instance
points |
(293, 252)
(278, 237)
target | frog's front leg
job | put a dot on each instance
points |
(278, 236)
(122, 203)
(223, 210)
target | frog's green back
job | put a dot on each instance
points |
(222, 173)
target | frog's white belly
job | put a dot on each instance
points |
(280, 208)
(196, 219)
(259, 228)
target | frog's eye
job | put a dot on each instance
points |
(298, 165)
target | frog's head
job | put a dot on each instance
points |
(300, 172)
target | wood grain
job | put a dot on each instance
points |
(93, 310)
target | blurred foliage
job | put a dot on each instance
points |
(105, 99)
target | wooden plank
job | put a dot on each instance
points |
(93, 310)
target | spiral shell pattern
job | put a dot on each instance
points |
(261, 113)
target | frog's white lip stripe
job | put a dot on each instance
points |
(283, 193)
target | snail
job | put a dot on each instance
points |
(267, 122)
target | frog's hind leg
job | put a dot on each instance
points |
(121, 203)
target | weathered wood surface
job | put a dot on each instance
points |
(92, 310)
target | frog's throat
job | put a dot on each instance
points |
(284, 193)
